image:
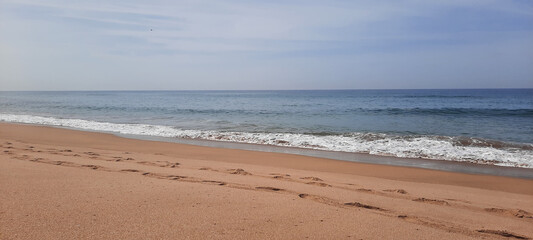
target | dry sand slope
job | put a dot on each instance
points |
(64, 184)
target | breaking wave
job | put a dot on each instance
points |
(464, 149)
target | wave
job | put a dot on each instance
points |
(462, 149)
(165, 110)
(296, 109)
(439, 96)
(449, 111)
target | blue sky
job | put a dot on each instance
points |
(180, 45)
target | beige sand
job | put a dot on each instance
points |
(65, 184)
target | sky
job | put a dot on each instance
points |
(256, 45)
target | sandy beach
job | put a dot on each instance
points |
(66, 184)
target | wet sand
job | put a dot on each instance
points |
(65, 184)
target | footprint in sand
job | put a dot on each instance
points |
(432, 201)
(160, 164)
(519, 213)
(364, 190)
(400, 191)
(174, 177)
(502, 233)
(457, 200)
(214, 182)
(174, 165)
(279, 175)
(36, 159)
(319, 184)
(361, 205)
(312, 179)
(94, 167)
(59, 163)
(319, 199)
(238, 171)
(161, 176)
(269, 189)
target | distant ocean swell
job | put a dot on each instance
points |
(486, 112)
(464, 149)
(467, 112)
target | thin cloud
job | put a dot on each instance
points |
(253, 39)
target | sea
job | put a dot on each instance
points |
(481, 126)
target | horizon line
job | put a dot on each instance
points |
(258, 90)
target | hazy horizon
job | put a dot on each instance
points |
(207, 90)
(234, 45)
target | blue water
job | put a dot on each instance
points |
(487, 118)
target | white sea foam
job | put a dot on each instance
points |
(431, 147)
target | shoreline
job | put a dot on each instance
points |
(407, 147)
(421, 163)
(408, 173)
(58, 183)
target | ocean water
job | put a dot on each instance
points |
(485, 126)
